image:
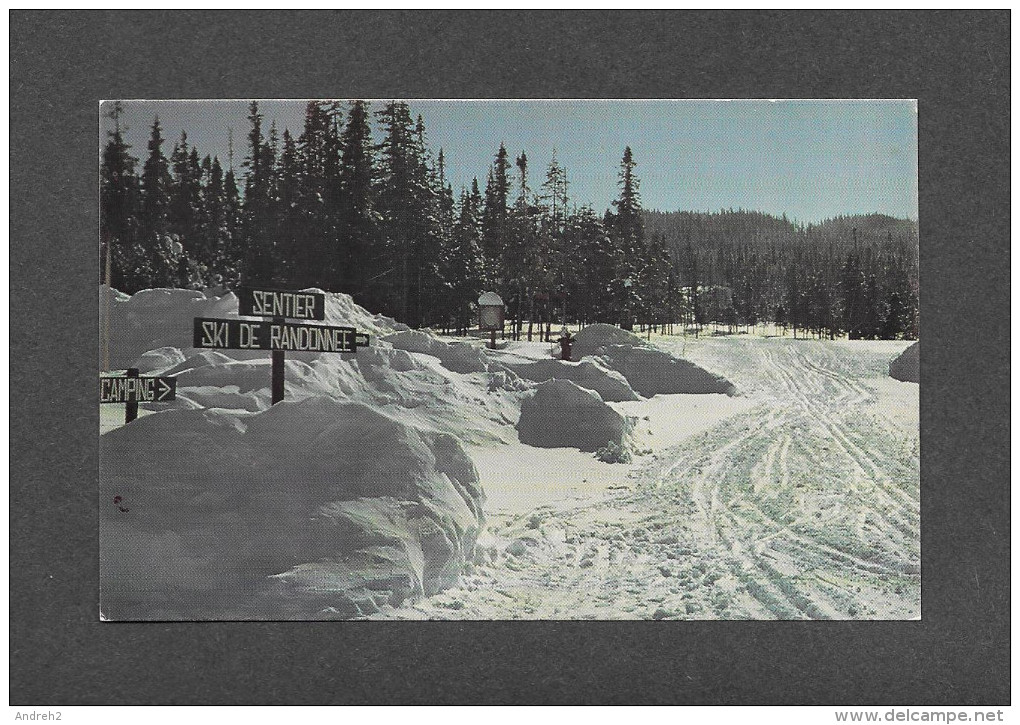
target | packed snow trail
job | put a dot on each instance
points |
(803, 506)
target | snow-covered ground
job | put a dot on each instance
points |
(799, 499)
(781, 481)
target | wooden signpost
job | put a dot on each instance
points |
(276, 334)
(131, 388)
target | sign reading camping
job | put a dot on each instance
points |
(274, 335)
(137, 390)
(133, 389)
(253, 302)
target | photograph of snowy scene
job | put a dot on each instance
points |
(509, 360)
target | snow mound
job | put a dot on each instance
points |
(164, 318)
(458, 357)
(907, 367)
(341, 309)
(560, 414)
(591, 339)
(651, 372)
(589, 374)
(310, 509)
(158, 360)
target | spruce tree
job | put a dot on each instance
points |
(357, 214)
(496, 223)
(161, 254)
(628, 228)
(462, 270)
(396, 198)
(118, 212)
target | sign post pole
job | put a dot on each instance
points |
(278, 368)
(131, 406)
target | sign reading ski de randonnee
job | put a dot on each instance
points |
(272, 335)
(253, 302)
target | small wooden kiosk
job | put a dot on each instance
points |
(490, 315)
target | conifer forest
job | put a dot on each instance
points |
(356, 201)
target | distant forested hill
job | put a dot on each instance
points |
(851, 274)
(727, 228)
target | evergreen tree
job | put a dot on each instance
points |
(258, 265)
(118, 212)
(233, 258)
(463, 265)
(290, 227)
(554, 193)
(431, 236)
(357, 214)
(185, 212)
(496, 223)
(160, 254)
(628, 233)
(404, 201)
(560, 265)
(593, 299)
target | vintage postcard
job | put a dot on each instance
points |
(503, 359)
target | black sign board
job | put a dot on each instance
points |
(275, 335)
(281, 303)
(137, 390)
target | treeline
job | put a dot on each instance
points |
(331, 208)
(853, 275)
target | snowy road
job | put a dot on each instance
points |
(802, 504)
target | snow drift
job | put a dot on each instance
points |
(593, 339)
(163, 318)
(458, 391)
(907, 366)
(311, 508)
(562, 414)
(651, 372)
(648, 370)
(589, 374)
(458, 357)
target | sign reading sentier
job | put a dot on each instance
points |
(281, 303)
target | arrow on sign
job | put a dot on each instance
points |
(164, 390)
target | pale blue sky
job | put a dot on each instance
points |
(808, 159)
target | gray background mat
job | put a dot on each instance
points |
(956, 64)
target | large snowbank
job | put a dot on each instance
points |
(312, 508)
(562, 414)
(589, 374)
(163, 318)
(458, 357)
(907, 366)
(458, 392)
(591, 340)
(650, 372)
